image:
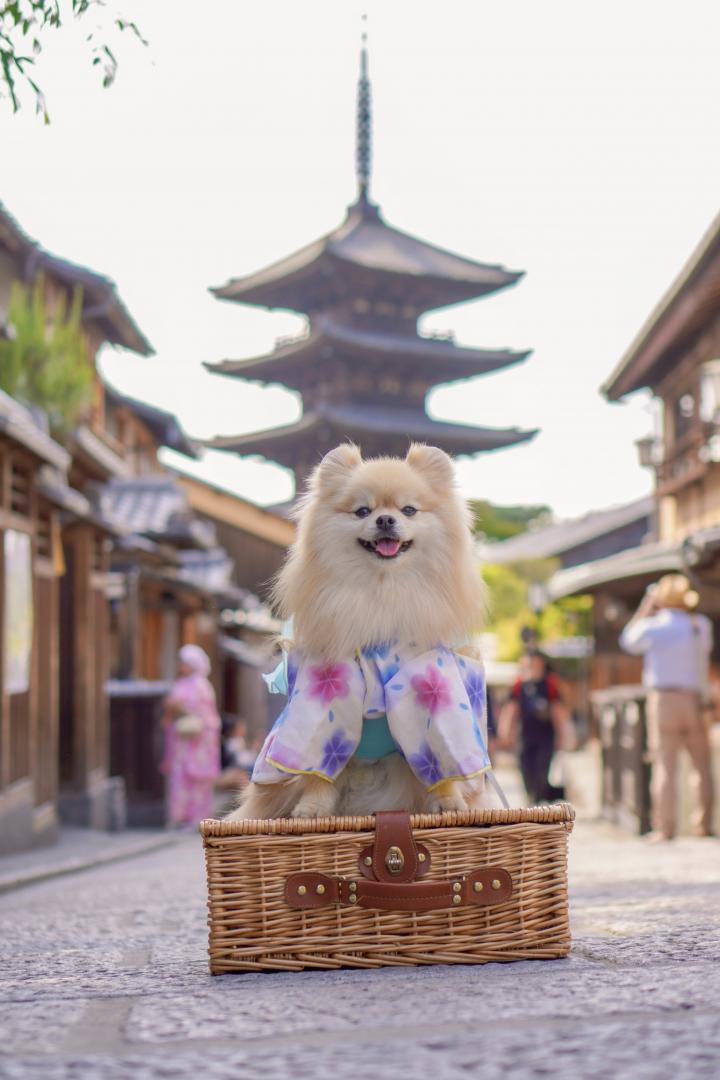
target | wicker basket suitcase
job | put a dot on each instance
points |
(453, 888)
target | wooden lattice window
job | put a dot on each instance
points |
(20, 484)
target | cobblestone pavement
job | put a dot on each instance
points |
(104, 976)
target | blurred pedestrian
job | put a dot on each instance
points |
(535, 716)
(191, 761)
(676, 644)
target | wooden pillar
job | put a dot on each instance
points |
(85, 723)
(45, 767)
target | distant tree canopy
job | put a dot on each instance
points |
(510, 610)
(502, 522)
(509, 584)
(24, 25)
(43, 357)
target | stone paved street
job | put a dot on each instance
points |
(104, 976)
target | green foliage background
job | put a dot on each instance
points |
(502, 522)
(44, 361)
(509, 608)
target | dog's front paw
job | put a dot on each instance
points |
(446, 796)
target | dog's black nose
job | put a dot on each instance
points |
(385, 522)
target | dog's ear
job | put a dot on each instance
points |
(433, 463)
(336, 466)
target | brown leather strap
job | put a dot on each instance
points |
(395, 857)
(309, 889)
(480, 888)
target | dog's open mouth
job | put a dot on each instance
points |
(386, 547)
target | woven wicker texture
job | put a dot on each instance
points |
(252, 928)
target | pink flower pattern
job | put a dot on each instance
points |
(329, 682)
(432, 690)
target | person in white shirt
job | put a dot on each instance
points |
(676, 646)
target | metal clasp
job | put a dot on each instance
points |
(394, 859)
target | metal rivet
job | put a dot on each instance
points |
(496, 884)
(352, 898)
(320, 889)
(301, 890)
(368, 860)
(352, 886)
(478, 886)
(421, 856)
(457, 899)
(456, 886)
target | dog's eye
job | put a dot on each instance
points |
(362, 511)
(408, 511)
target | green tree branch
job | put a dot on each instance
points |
(24, 25)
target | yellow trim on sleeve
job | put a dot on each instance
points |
(298, 772)
(468, 776)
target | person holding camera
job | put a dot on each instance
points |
(676, 645)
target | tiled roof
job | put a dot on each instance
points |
(101, 299)
(437, 359)
(326, 425)
(549, 540)
(19, 423)
(365, 244)
(156, 506)
(164, 425)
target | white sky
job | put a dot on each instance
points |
(573, 140)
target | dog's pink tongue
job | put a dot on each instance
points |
(388, 548)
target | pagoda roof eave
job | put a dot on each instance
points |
(327, 426)
(288, 363)
(364, 245)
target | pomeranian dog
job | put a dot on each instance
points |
(386, 703)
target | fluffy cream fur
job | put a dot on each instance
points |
(343, 598)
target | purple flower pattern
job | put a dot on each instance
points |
(426, 765)
(475, 689)
(336, 753)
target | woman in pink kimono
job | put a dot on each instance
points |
(192, 740)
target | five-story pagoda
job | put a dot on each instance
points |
(362, 369)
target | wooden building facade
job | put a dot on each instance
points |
(676, 356)
(119, 568)
(34, 497)
(57, 732)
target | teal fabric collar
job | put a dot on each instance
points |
(376, 740)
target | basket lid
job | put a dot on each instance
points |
(554, 814)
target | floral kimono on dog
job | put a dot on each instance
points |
(428, 706)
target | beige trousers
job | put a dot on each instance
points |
(674, 721)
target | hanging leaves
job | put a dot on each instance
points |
(23, 26)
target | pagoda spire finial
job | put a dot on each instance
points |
(363, 149)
